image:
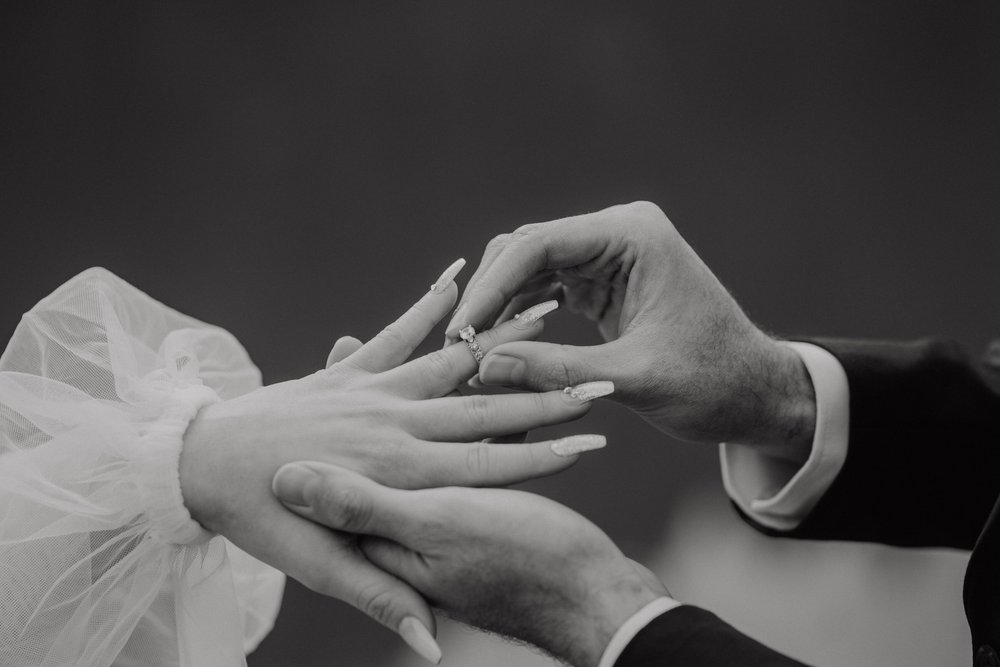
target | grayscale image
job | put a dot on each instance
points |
(492, 334)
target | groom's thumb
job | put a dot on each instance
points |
(546, 366)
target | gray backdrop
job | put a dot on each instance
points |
(302, 171)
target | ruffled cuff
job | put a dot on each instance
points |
(100, 562)
(158, 460)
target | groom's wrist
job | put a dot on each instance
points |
(588, 631)
(782, 420)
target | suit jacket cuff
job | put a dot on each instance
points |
(776, 493)
(633, 626)
(693, 637)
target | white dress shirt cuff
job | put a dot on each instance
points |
(632, 626)
(776, 493)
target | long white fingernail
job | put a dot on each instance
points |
(533, 314)
(419, 638)
(588, 391)
(577, 444)
(446, 278)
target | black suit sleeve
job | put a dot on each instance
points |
(923, 452)
(692, 637)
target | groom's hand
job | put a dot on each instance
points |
(679, 350)
(506, 561)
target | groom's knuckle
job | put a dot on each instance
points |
(346, 507)
(498, 241)
(571, 370)
(525, 231)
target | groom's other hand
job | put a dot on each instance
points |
(506, 561)
(678, 348)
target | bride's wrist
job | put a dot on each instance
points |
(201, 437)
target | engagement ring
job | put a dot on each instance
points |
(468, 334)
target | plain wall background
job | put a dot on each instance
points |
(304, 170)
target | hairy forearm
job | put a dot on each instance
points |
(782, 404)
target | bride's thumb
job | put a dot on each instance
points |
(546, 366)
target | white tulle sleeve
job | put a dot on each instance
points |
(100, 562)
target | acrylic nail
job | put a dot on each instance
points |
(577, 444)
(448, 277)
(527, 318)
(588, 391)
(419, 638)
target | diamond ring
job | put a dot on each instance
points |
(468, 334)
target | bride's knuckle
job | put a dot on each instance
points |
(376, 601)
(479, 411)
(478, 461)
(540, 403)
(393, 335)
(440, 366)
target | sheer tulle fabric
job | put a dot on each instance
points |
(100, 563)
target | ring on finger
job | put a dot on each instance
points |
(468, 334)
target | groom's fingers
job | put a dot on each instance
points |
(466, 418)
(439, 373)
(343, 348)
(395, 343)
(345, 500)
(527, 251)
(539, 366)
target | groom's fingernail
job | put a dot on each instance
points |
(456, 323)
(501, 369)
(419, 638)
(530, 316)
(448, 277)
(588, 391)
(290, 483)
(577, 444)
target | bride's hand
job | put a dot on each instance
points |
(395, 421)
(679, 349)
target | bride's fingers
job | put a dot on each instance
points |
(343, 348)
(394, 344)
(479, 416)
(439, 373)
(434, 464)
(385, 598)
